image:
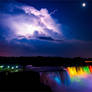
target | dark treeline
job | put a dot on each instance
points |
(44, 61)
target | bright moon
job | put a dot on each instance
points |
(83, 4)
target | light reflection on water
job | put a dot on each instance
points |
(72, 79)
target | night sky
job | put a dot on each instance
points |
(46, 28)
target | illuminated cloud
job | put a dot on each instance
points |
(31, 23)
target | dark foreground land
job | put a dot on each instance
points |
(22, 81)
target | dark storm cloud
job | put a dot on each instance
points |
(26, 47)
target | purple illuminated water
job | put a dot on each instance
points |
(62, 82)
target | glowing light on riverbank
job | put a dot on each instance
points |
(11, 68)
(88, 61)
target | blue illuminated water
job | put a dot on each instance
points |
(62, 82)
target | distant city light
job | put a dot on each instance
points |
(12, 68)
(8, 66)
(16, 66)
(88, 61)
(1, 66)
